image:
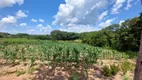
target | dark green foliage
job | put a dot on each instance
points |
(132, 54)
(101, 38)
(106, 71)
(61, 35)
(111, 70)
(1, 36)
(114, 69)
(24, 35)
(124, 37)
(40, 37)
(4, 35)
(128, 36)
(21, 35)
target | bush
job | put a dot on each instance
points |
(106, 71)
(127, 66)
(114, 69)
(110, 70)
(1, 36)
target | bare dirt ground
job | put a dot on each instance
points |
(20, 71)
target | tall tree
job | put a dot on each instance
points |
(138, 69)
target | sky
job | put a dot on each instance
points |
(44, 16)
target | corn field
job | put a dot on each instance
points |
(55, 52)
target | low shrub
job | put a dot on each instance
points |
(127, 66)
(110, 70)
(114, 69)
(106, 71)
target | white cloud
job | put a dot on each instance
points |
(106, 23)
(39, 25)
(33, 20)
(121, 22)
(118, 4)
(23, 24)
(103, 15)
(13, 19)
(20, 2)
(45, 29)
(79, 12)
(9, 20)
(21, 14)
(9, 3)
(79, 29)
(32, 30)
(129, 5)
(41, 20)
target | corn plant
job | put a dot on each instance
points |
(22, 56)
(6, 55)
(57, 52)
(32, 60)
(13, 56)
(76, 55)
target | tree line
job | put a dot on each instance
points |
(125, 36)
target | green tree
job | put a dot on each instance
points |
(62, 35)
(138, 69)
(128, 38)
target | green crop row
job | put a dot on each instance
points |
(55, 51)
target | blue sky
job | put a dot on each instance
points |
(43, 16)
